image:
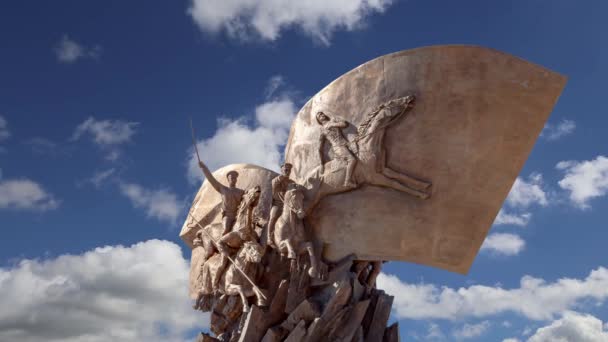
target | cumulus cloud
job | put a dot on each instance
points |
(161, 204)
(514, 219)
(471, 330)
(510, 340)
(238, 141)
(69, 51)
(584, 180)
(114, 293)
(319, 19)
(535, 298)
(24, 194)
(4, 132)
(524, 194)
(107, 134)
(503, 244)
(572, 326)
(554, 132)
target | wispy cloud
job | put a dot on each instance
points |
(113, 293)
(584, 180)
(101, 177)
(503, 244)
(319, 19)
(69, 51)
(24, 194)
(160, 204)
(107, 134)
(535, 298)
(239, 141)
(553, 132)
(471, 330)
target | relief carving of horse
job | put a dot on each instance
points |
(368, 147)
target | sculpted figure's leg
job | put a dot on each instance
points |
(228, 223)
(351, 163)
(381, 180)
(409, 181)
(275, 212)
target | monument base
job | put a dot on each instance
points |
(346, 306)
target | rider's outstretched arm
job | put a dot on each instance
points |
(214, 183)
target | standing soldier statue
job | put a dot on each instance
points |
(279, 187)
(231, 196)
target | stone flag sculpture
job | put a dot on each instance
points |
(407, 157)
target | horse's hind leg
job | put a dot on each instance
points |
(379, 179)
(405, 179)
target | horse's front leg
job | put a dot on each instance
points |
(241, 291)
(316, 270)
(291, 251)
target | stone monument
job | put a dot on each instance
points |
(408, 157)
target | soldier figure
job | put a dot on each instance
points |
(331, 130)
(231, 196)
(279, 186)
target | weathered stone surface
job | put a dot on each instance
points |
(297, 335)
(476, 116)
(306, 311)
(206, 207)
(382, 311)
(348, 330)
(391, 334)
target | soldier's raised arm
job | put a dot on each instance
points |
(214, 183)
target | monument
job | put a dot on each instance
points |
(407, 157)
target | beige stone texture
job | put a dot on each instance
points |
(476, 117)
(206, 207)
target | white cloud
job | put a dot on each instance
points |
(107, 134)
(161, 204)
(434, 333)
(524, 193)
(535, 298)
(503, 243)
(319, 19)
(114, 293)
(4, 132)
(100, 177)
(25, 194)
(512, 339)
(573, 327)
(239, 142)
(471, 330)
(554, 132)
(514, 219)
(584, 180)
(69, 51)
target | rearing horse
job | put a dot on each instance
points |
(368, 147)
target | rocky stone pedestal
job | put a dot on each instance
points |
(343, 307)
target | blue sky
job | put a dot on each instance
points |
(94, 151)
